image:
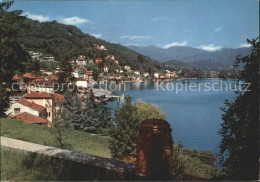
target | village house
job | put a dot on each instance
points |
(111, 57)
(79, 74)
(100, 47)
(116, 77)
(99, 60)
(105, 69)
(146, 74)
(119, 71)
(80, 82)
(28, 107)
(156, 75)
(22, 80)
(89, 75)
(30, 118)
(171, 74)
(42, 84)
(81, 60)
(49, 101)
(116, 62)
(43, 71)
(49, 57)
(90, 61)
(127, 67)
(57, 70)
(35, 55)
(137, 72)
(162, 76)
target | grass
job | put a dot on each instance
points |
(13, 166)
(17, 165)
(74, 140)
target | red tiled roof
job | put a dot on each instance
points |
(80, 79)
(40, 95)
(81, 58)
(53, 77)
(29, 75)
(89, 73)
(32, 105)
(18, 77)
(58, 98)
(29, 118)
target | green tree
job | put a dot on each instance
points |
(72, 105)
(149, 111)
(240, 128)
(125, 132)
(95, 74)
(90, 119)
(105, 118)
(127, 121)
(65, 76)
(11, 53)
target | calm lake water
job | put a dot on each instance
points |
(194, 114)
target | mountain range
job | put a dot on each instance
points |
(225, 56)
(67, 42)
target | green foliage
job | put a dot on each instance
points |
(127, 122)
(65, 76)
(149, 111)
(239, 130)
(11, 53)
(189, 164)
(105, 116)
(177, 162)
(89, 116)
(66, 42)
(50, 66)
(125, 132)
(90, 119)
(205, 156)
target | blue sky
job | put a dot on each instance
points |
(206, 24)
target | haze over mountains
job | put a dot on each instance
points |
(225, 56)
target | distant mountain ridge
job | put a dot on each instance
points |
(67, 42)
(226, 56)
(203, 65)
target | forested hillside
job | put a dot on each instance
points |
(67, 42)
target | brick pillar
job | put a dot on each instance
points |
(154, 149)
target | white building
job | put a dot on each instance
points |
(127, 67)
(81, 82)
(79, 74)
(137, 72)
(23, 106)
(81, 60)
(105, 69)
(146, 74)
(156, 75)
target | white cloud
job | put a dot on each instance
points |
(245, 45)
(184, 43)
(96, 35)
(210, 47)
(157, 19)
(134, 37)
(218, 29)
(39, 18)
(74, 20)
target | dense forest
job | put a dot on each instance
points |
(66, 42)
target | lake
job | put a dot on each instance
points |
(193, 112)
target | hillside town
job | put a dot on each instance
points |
(36, 99)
